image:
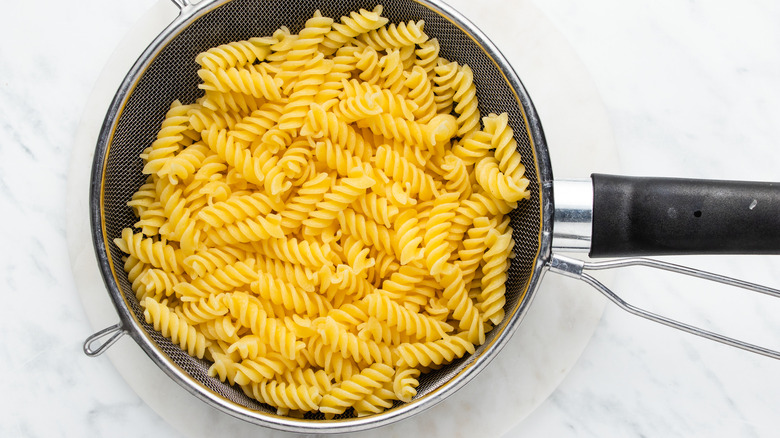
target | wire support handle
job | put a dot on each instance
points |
(574, 268)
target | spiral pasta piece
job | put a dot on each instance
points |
(318, 379)
(344, 63)
(303, 48)
(249, 347)
(394, 36)
(250, 311)
(287, 395)
(292, 250)
(391, 71)
(237, 208)
(202, 118)
(358, 107)
(377, 208)
(408, 237)
(280, 50)
(235, 154)
(344, 283)
(405, 383)
(368, 64)
(159, 282)
(265, 331)
(169, 138)
(320, 123)
(509, 160)
(135, 270)
(305, 201)
(227, 278)
(400, 129)
(358, 22)
(147, 250)
(407, 55)
(407, 322)
(427, 56)
(178, 214)
(144, 198)
(421, 93)
(351, 391)
(287, 295)
(304, 92)
(260, 369)
(402, 171)
(370, 232)
(172, 326)
(184, 164)
(437, 352)
(499, 185)
(247, 230)
(436, 249)
(252, 128)
(349, 345)
(336, 158)
(443, 89)
(474, 247)
(208, 259)
(297, 162)
(492, 299)
(409, 288)
(298, 275)
(457, 176)
(341, 196)
(388, 102)
(205, 309)
(377, 331)
(323, 356)
(462, 307)
(465, 98)
(352, 314)
(235, 54)
(376, 402)
(251, 81)
(230, 101)
(478, 204)
(356, 254)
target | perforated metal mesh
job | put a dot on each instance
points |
(172, 75)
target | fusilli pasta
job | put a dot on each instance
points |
(327, 222)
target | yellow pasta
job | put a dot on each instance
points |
(175, 327)
(327, 222)
(235, 54)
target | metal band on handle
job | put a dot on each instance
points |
(575, 268)
(573, 215)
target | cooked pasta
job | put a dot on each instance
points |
(327, 222)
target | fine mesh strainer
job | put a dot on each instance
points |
(637, 224)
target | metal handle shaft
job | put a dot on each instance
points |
(112, 334)
(181, 4)
(575, 268)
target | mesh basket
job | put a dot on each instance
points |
(170, 73)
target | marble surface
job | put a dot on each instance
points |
(690, 89)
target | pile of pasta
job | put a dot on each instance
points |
(327, 221)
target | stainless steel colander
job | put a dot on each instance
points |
(166, 71)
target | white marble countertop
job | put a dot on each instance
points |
(689, 89)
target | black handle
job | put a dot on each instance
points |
(634, 216)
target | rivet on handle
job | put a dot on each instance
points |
(113, 334)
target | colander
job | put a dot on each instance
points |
(603, 215)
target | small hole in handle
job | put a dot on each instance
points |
(697, 213)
